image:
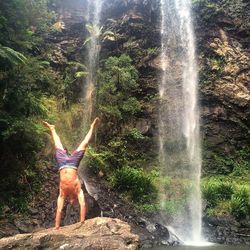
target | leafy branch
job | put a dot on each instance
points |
(97, 33)
(12, 56)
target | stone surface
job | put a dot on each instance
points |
(98, 233)
(226, 230)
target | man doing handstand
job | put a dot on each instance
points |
(70, 185)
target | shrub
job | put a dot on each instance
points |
(136, 183)
(215, 190)
(222, 208)
(134, 135)
(240, 203)
(116, 93)
(97, 161)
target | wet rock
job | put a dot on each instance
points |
(33, 211)
(226, 230)
(151, 228)
(144, 126)
(23, 227)
(98, 233)
(162, 231)
(5, 210)
(7, 229)
(142, 222)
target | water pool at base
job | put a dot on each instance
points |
(212, 247)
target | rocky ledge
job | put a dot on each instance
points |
(226, 230)
(98, 233)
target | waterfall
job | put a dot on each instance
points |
(179, 139)
(94, 8)
(93, 49)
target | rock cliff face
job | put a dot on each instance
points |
(222, 38)
(222, 34)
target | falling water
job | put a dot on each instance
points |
(93, 49)
(179, 142)
(94, 9)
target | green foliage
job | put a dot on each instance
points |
(222, 208)
(27, 83)
(97, 33)
(240, 203)
(134, 135)
(213, 67)
(206, 9)
(72, 82)
(136, 183)
(222, 165)
(174, 207)
(23, 22)
(234, 164)
(121, 161)
(80, 74)
(152, 51)
(11, 56)
(123, 150)
(210, 10)
(148, 208)
(215, 190)
(174, 194)
(20, 142)
(225, 196)
(97, 161)
(116, 93)
(241, 166)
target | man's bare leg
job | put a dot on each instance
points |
(82, 206)
(60, 203)
(56, 138)
(84, 144)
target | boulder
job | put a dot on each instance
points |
(98, 233)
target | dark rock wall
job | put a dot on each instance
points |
(222, 37)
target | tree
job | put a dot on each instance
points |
(116, 92)
(26, 81)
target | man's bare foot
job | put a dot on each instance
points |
(96, 121)
(50, 126)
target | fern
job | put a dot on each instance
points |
(77, 65)
(240, 203)
(12, 56)
(97, 32)
(80, 74)
(108, 35)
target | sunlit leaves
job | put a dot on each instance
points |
(80, 74)
(97, 33)
(12, 56)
